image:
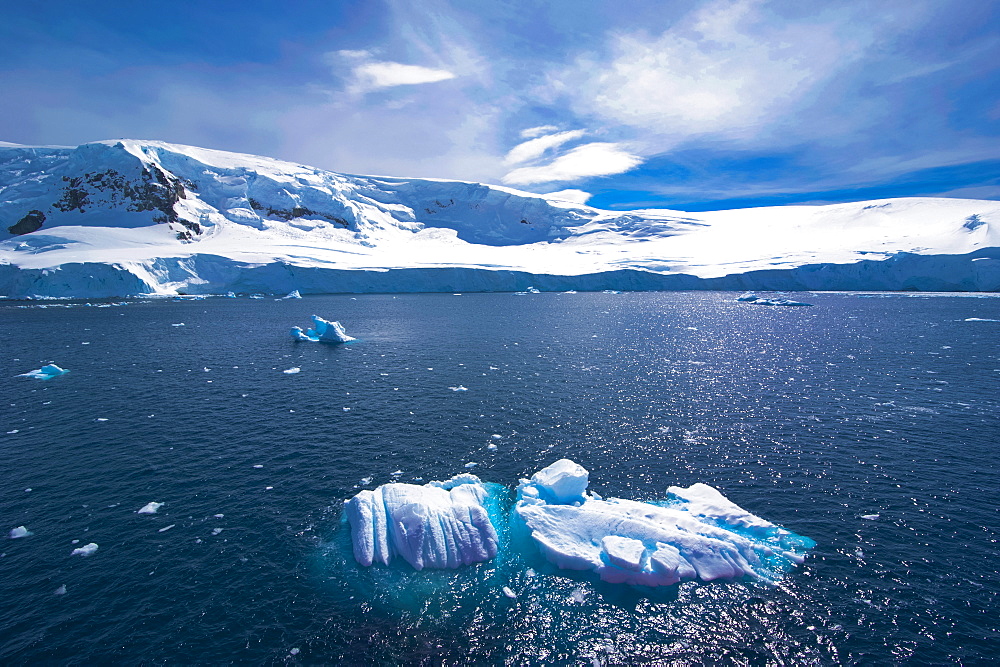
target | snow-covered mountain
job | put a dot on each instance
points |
(121, 218)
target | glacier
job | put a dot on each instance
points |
(695, 534)
(323, 331)
(128, 218)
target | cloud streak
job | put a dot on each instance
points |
(586, 161)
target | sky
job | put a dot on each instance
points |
(684, 104)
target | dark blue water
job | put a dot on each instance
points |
(809, 417)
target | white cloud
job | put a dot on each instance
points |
(588, 160)
(575, 196)
(535, 148)
(725, 70)
(376, 75)
(533, 132)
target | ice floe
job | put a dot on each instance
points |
(696, 534)
(20, 531)
(750, 297)
(46, 372)
(323, 331)
(149, 508)
(85, 550)
(437, 525)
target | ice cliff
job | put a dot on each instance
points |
(123, 218)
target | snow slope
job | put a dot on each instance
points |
(135, 217)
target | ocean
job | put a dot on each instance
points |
(867, 422)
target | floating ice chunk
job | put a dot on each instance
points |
(166, 528)
(150, 508)
(294, 651)
(750, 297)
(178, 324)
(216, 531)
(697, 534)
(471, 464)
(323, 331)
(294, 294)
(437, 525)
(85, 550)
(292, 371)
(496, 436)
(46, 372)
(365, 481)
(20, 531)
(459, 388)
(258, 466)
(60, 591)
(491, 446)
(870, 517)
(101, 419)
(979, 319)
(509, 593)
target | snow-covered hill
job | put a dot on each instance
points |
(134, 217)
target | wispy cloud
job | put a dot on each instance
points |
(535, 148)
(368, 74)
(586, 161)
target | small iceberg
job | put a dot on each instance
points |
(294, 294)
(750, 297)
(149, 508)
(437, 525)
(45, 372)
(323, 331)
(696, 534)
(20, 531)
(85, 550)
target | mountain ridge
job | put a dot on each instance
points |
(121, 218)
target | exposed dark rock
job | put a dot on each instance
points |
(295, 212)
(29, 223)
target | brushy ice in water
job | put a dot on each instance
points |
(322, 332)
(150, 508)
(46, 372)
(696, 534)
(437, 525)
(85, 550)
(20, 531)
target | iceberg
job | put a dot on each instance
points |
(20, 531)
(294, 294)
(437, 525)
(150, 508)
(696, 534)
(85, 550)
(322, 332)
(750, 297)
(45, 372)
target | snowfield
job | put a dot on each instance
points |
(122, 218)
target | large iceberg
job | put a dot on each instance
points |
(437, 525)
(322, 332)
(696, 534)
(46, 372)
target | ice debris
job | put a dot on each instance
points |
(46, 372)
(149, 508)
(323, 331)
(20, 531)
(294, 294)
(750, 297)
(60, 591)
(437, 525)
(292, 371)
(85, 550)
(697, 534)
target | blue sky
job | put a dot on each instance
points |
(695, 105)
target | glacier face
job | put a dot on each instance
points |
(135, 217)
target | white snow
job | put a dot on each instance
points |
(85, 550)
(277, 227)
(699, 535)
(20, 531)
(46, 372)
(149, 508)
(437, 525)
(323, 331)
